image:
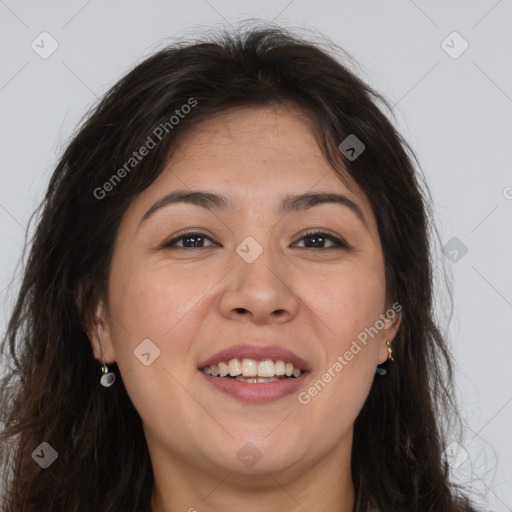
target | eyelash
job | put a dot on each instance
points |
(339, 243)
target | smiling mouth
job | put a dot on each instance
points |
(252, 372)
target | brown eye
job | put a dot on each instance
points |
(191, 240)
(319, 238)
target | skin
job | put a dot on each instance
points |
(193, 302)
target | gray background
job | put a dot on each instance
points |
(455, 112)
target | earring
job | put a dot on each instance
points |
(390, 351)
(380, 369)
(107, 379)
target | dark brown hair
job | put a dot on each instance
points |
(51, 392)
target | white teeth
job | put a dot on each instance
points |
(267, 379)
(266, 368)
(251, 380)
(223, 369)
(279, 367)
(250, 370)
(254, 380)
(235, 367)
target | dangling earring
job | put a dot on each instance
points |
(390, 350)
(107, 379)
(380, 369)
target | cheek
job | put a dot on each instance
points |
(166, 304)
(153, 301)
(348, 309)
(160, 306)
(348, 302)
(339, 389)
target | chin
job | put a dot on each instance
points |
(250, 456)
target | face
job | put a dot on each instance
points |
(193, 279)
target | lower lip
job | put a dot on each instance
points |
(258, 392)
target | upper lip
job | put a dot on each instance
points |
(258, 353)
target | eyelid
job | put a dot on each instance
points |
(336, 239)
(339, 243)
(178, 236)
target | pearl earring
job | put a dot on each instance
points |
(107, 379)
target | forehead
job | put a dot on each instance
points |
(267, 126)
(257, 145)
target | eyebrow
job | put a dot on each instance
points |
(219, 202)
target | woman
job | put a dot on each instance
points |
(228, 299)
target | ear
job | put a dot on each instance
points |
(101, 337)
(392, 318)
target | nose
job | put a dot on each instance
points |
(260, 292)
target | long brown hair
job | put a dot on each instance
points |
(51, 391)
